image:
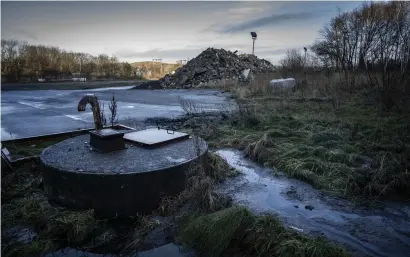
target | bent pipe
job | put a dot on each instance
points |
(95, 106)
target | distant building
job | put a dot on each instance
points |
(79, 77)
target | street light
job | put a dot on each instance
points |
(254, 36)
(160, 61)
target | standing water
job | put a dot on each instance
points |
(383, 232)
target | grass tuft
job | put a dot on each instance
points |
(200, 187)
(236, 229)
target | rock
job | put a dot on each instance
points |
(213, 64)
(199, 71)
(288, 83)
(245, 73)
(182, 80)
(309, 207)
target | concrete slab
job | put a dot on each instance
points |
(154, 136)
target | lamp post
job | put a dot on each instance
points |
(254, 36)
(160, 61)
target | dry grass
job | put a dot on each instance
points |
(202, 178)
(24, 204)
(329, 134)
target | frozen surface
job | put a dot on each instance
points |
(33, 113)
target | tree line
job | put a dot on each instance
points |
(22, 61)
(374, 36)
(371, 40)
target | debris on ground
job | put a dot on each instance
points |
(215, 64)
(283, 83)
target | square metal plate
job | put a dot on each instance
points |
(154, 136)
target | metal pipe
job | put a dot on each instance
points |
(95, 106)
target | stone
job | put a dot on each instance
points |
(245, 73)
(199, 71)
(288, 83)
(309, 207)
(182, 80)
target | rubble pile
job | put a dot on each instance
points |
(216, 64)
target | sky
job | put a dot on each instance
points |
(171, 31)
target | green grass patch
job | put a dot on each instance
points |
(237, 230)
(31, 148)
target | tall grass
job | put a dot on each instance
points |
(236, 229)
(327, 133)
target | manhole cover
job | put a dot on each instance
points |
(154, 136)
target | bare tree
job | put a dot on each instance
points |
(113, 110)
(374, 38)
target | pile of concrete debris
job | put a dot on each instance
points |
(216, 64)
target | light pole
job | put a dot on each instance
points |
(254, 36)
(160, 61)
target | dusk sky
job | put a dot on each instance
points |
(141, 31)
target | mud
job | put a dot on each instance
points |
(381, 232)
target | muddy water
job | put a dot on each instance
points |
(383, 232)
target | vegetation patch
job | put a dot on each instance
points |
(350, 150)
(31, 148)
(200, 189)
(236, 229)
(25, 205)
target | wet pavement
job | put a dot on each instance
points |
(383, 232)
(32, 113)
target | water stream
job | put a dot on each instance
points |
(383, 232)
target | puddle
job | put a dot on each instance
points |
(383, 232)
(168, 250)
(21, 234)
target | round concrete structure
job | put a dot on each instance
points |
(123, 182)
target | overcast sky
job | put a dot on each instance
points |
(141, 31)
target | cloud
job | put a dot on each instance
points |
(275, 19)
(27, 34)
(18, 33)
(174, 54)
(189, 51)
